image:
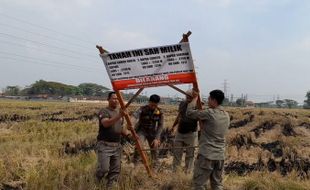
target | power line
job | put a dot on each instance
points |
(38, 49)
(36, 59)
(45, 36)
(44, 44)
(45, 64)
(45, 28)
(53, 65)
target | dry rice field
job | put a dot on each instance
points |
(50, 145)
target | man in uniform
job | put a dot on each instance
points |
(108, 141)
(149, 127)
(186, 136)
(209, 164)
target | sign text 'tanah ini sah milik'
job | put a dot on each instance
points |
(148, 67)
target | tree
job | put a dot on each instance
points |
(307, 101)
(51, 88)
(92, 89)
(12, 90)
(42, 87)
(291, 103)
(280, 103)
(240, 101)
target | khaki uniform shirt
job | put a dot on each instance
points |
(215, 123)
(111, 133)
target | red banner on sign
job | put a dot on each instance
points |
(152, 81)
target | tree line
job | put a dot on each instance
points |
(56, 89)
(42, 87)
(285, 103)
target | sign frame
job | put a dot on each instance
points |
(149, 67)
(125, 106)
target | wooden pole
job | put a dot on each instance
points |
(195, 84)
(134, 134)
(137, 94)
(179, 90)
(101, 50)
(129, 123)
(178, 116)
(185, 37)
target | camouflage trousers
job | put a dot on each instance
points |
(205, 170)
(184, 140)
(108, 161)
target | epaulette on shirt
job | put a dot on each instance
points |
(157, 111)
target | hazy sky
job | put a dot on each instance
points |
(261, 47)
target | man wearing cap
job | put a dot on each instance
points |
(149, 126)
(209, 164)
(108, 146)
(186, 136)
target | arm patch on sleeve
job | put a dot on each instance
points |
(103, 114)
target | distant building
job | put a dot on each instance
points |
(170, 100)
(249, 104)
(269, 104)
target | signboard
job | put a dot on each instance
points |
(147, 67)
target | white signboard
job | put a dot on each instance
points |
(155, 66)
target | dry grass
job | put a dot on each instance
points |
(32, 137)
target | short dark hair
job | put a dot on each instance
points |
(217, 95)
(110, 94)
(154, 98)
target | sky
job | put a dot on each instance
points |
(260, 47)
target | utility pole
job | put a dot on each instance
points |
(225, 85)
(231, 98)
